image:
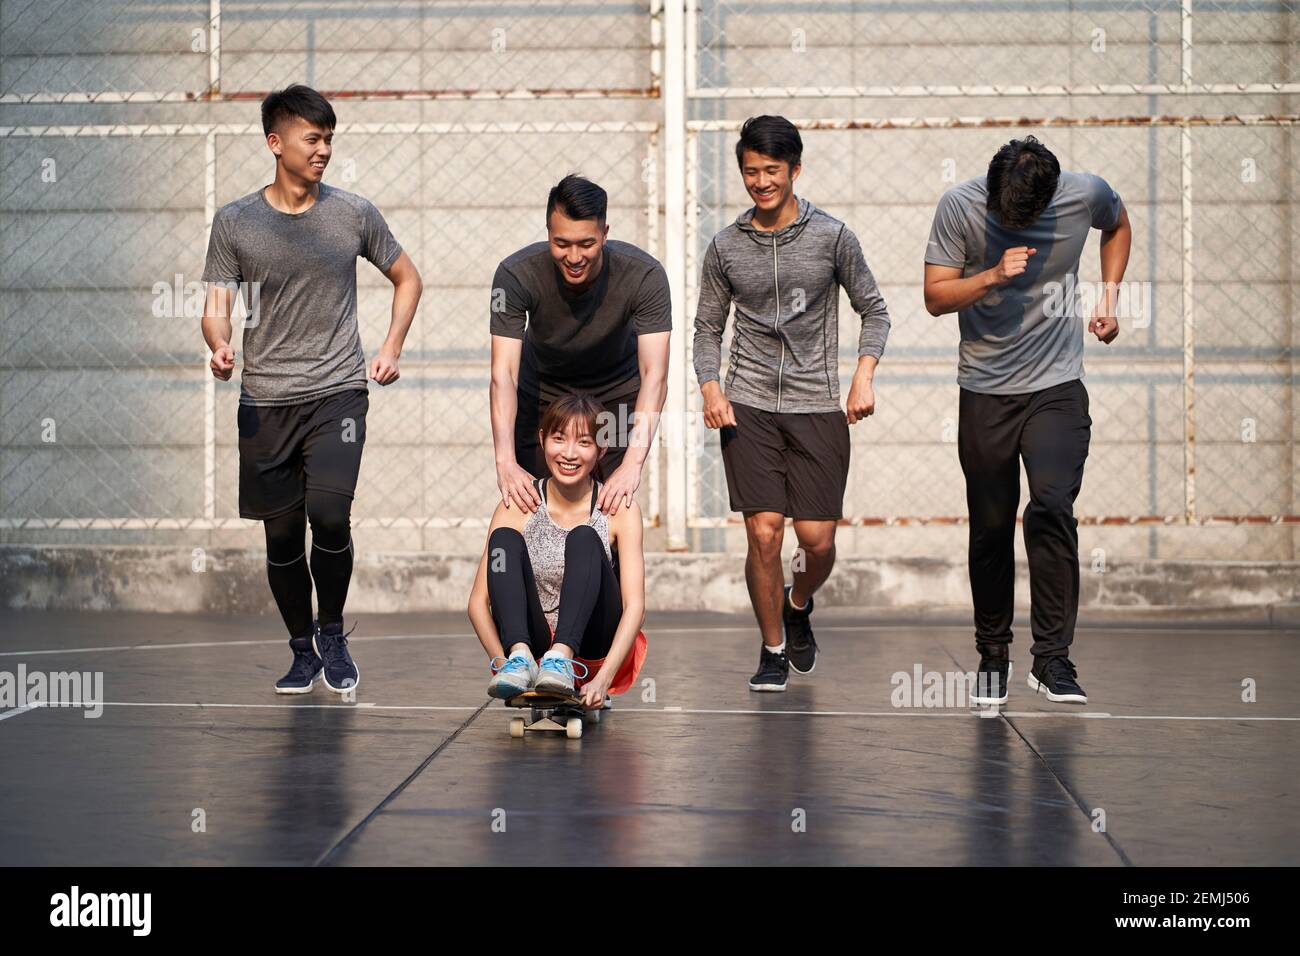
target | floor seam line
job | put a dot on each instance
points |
(325, 858)
(1078, 802)
(1055, 776)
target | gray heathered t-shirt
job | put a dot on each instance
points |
(1019, 338)
(302, 341)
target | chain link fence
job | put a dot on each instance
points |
(127, 125)
(124, 126)
(1187, 109)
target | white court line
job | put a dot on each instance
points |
(361, 705)
(353, 640)
(700, 711)
(172, 647)
(17, 711)
(905, 712)
(469, 634)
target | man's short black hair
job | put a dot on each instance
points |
(577, 198)
(773, 136)
(1022, 181)
(296, 100)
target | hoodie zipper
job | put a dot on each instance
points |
(777, 281)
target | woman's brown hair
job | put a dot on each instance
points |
(584, 408)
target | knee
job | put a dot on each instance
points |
(583, 536)
(505, 538)
(1051, 505)
(285, 536)
(582, 540)
(330, 516)
(819, 548)
(765, 536)
(506, 551)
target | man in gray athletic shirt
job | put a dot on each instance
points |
(1004, 254)
(293, 245)
(785, 438)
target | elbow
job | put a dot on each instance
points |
(933, 306)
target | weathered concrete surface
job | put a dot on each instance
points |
(228, 581)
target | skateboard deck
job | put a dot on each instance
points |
(558, 713)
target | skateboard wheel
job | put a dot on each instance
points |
(573, 728)
(592, 716)
(517, 727)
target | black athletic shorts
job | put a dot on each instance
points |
(795, 463)
(286, 449)
(528, 419)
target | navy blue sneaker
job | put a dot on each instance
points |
(341, 673)
(305, 671)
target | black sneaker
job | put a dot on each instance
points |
(341, 673)
(305, 671)
(773, 669)
(992, 679)
(1055, 677)
(799, 643)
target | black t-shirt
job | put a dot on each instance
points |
(583, 342)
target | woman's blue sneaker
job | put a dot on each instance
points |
(512, 676)
(555, 675)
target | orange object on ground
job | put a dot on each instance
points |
(628, 670)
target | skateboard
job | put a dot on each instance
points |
(553, 712)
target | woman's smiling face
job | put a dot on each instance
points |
(571, 452)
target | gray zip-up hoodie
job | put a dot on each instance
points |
(784, 284)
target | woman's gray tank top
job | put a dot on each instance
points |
(545, 541)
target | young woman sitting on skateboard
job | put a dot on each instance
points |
(559, 597)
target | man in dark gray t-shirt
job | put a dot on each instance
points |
(291, 250)
(578, 313)
(1004, 254)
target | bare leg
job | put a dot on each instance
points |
(763, 572)
(817, 544)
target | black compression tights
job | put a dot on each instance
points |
(330, 516)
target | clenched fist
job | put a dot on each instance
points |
(223, 362)
(1014, 262)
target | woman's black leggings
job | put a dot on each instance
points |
(591, 603)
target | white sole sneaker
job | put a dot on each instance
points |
(1038, 686)
(320, 675)
(975, 698)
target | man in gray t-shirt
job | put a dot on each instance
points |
(302, 340)
(1014, 338)
(290, 249)
(1004, 254)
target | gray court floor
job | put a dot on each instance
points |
(1167, 765)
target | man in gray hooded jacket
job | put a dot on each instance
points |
(785, 438)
